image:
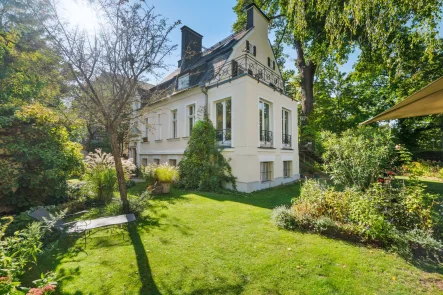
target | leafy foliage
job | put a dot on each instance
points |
(399, 218)
(149, 173)
(17, 252)
(356, 158)
(36, 157)
(203, 167)
(102, 175)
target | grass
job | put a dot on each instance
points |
(207, 243)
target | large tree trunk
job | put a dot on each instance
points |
(112, 131)
(307, 74)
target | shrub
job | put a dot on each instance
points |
(102, 175)
(166, 173)
(149, 173)
(282, 217)
(137, 205)
(397, 217)
(37, 157)
(17, 252)
(356, 158)
(203, 167)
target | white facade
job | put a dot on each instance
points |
(260, 145)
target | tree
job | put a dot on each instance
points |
(130, 43)
(331, 29)
(203, 167)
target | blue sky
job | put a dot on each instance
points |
(212, 19)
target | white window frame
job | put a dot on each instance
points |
(289, 131)
(183, 82)
(159, 127)
(190, 117)
(265, 143)
(226, 140)
(268, 173)
(287, 169)
(174, 124)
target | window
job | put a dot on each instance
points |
(159, 127)
(286, 128)
(264, 110)
(254, 50)
(269, 62)
(144, 162)
(157, 161)
(266, 171)
(287, 168)
(183, 82)
(191, 118)
(247, 46)
(174, 123)
(172, 162)
(223, 123)
(273, 65)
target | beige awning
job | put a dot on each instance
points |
(427, 101)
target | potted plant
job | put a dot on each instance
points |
(166, 174)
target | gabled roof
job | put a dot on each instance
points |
(200, 71)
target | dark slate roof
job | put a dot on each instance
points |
(199, 72)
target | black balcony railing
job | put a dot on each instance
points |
(266, 137)
(286, 140)
(247, 65)
(223, 136)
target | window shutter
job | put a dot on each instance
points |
(254, 49)
(247, 45)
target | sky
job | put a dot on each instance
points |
(212, 19)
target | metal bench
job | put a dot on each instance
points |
(83, 227)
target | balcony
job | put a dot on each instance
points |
(246, 65)
(287, 141)
(265, 138)
(223, 137)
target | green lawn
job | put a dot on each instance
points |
(201, 243)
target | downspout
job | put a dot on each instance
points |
(205, 92)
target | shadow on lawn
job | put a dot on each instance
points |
(268, 198)
(144, 270)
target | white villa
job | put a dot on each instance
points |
(240, 85)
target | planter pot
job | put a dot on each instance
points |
(166, 187)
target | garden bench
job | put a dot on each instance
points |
(83, 227)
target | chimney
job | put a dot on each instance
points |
(191, 46)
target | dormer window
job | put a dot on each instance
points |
(183, 82)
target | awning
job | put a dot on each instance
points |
(427, 101)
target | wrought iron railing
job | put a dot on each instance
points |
(266, 137)
(247, 65)
(223, 136)
(287, 140)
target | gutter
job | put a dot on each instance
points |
(204, 89)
